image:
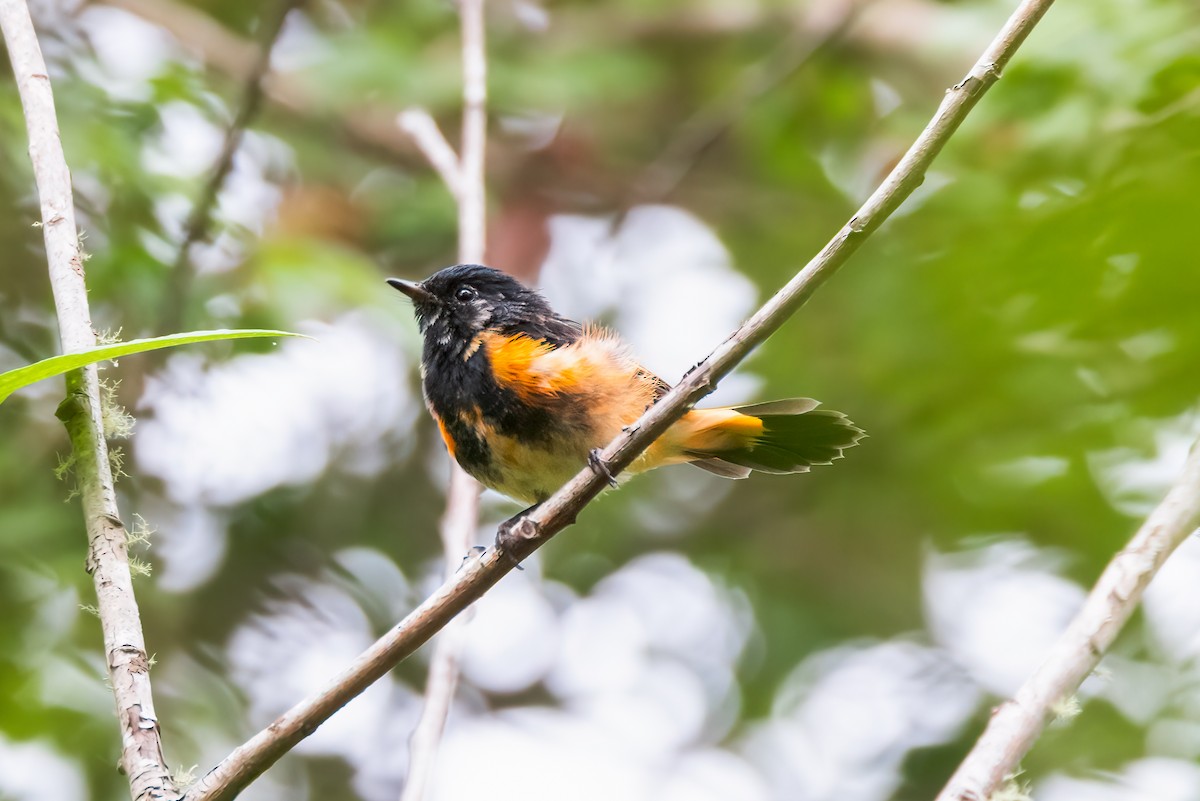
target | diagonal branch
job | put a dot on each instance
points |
(124, 643)
(462, 501)
(1016, 724)
(420, 125)
(199, 221)
(263, 749)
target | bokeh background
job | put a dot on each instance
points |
(1021, 342)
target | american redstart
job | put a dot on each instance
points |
(524, 397)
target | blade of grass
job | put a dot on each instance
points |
(13, 380)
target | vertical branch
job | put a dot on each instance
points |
(462, 502)
(199, 221)
(124, 644)
(1016, 724)
(472, 215)
(441, 682)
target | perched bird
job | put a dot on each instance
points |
(524, 397)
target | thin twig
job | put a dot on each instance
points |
(124, 643)
(458, 525)
(1016, 724)
(263, 749)
(199, 221)
(423, 128)
(472, 214)
(462, 504)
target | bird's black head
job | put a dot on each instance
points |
(454, 305)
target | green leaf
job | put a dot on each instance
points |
(13, 380)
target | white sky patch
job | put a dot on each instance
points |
(189, 543)
(692, 494)
(187, 144)
(220, 434)
(188, 147)
(129, 51)
(1172, 606)
(711, 775)
(540, 754)
(660, 711)
(1143, 780)
(664, 280)
(536, 754)
(641, 666)
(1140, 690)
(1133, 482)
(512, 641)
(293, 648)
(248, 197)
(657, 608)
(846, 718)
(35, 771)
(299, 45)
(997, 609)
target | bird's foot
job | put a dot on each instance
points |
(600, 467)
(515, 531)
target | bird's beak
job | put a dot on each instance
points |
(414, 290)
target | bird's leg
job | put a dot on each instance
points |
(515, 530)
(600, 467)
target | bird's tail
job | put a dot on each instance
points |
(787, 436)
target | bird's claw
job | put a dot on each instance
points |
(514, 531)
(475, 552)
(600, 467)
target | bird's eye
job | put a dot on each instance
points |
(463, 294)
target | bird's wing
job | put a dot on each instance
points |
(658, 386)
(554, 331)
(595, 364)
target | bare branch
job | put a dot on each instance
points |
(472, 214)
(442, 679)
(124, 643)
(200, 220)
(560, 510)
(458, 526)
(423, 128)
(462, 511)
(1015, 725)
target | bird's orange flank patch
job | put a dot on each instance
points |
(515, 364)
(445, 434)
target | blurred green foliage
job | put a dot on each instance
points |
(1037, 300)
